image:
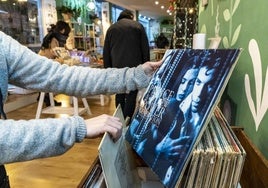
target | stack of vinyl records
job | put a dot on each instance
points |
(218, 159)
(95, 178)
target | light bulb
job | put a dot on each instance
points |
(91, 5)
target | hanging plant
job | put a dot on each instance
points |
(78, 6)
(66, 9)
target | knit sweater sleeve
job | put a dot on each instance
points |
(26, 140)
(32, 71)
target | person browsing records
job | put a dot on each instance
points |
(56, 37)
(126, 45)
(162, 41)
(24, 140)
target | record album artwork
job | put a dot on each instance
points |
(176, 108)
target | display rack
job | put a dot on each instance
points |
(167, 30)
(89, 31)
(84, 36)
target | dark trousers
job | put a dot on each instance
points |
(4, 182)
(127, 102)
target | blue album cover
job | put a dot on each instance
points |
(176, 108)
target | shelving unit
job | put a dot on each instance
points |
(167, 30)
(84, 36)
(89, 31)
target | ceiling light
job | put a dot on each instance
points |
(162, 7)
(91, 5)
(156, 2)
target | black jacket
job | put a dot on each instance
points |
(126, 45)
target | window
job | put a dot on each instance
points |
(20, 20)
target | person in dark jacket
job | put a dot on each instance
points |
(162, 41)
(126, 45)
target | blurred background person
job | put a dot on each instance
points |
(162, 41)
(126, 45)
(56, 37)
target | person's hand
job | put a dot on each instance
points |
(171, 147)
(150, 67)
(97, 126)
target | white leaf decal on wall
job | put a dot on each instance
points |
(258, 111)
(236, 35)
(226, 15)
(225, 42)
(235, 6)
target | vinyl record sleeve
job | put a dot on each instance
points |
(177, 106)
(117, 160)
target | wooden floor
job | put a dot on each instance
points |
(66, 170)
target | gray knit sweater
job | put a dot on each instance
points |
(26, 140)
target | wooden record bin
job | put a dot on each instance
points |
(255, 170)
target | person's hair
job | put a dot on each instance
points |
(125, 14)
(55, 32)
(60, 25)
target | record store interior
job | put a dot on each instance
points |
(229, 150)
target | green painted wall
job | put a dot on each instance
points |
(243, 24)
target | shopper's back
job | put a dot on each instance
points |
(126, 45)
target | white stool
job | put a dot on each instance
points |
(52, 109)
